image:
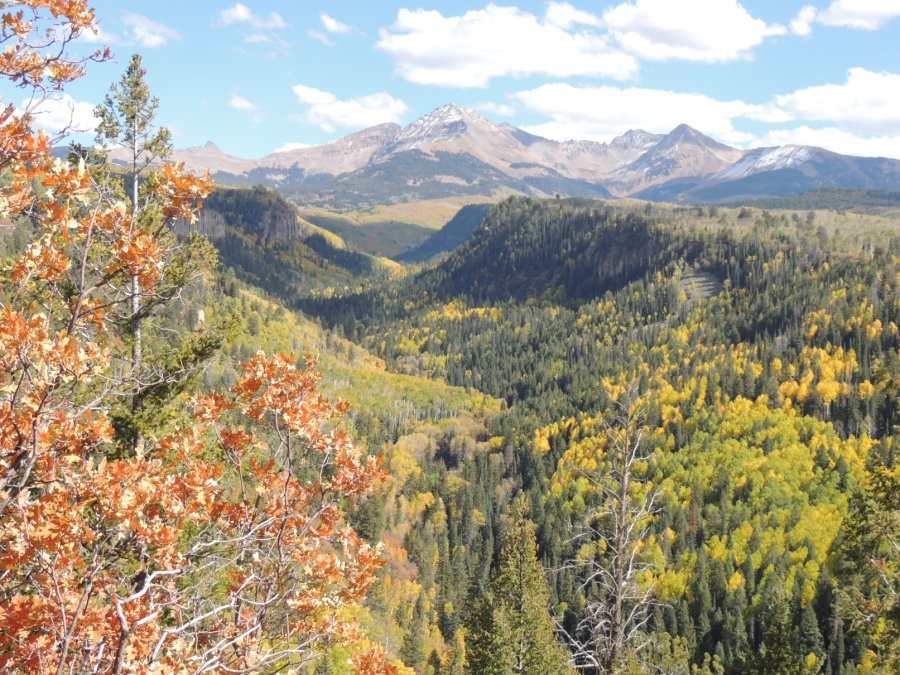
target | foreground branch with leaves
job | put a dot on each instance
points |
(216, 545)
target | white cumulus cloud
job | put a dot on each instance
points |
(564, 15)
(332, 25)
(801, 24)
(472, 49)
(62, 113)
(241, 14)
(860, 14)
(856, 117)
(147, 32)
(96, 35)
(689, 30)
(319, 36)
(600, 113)
(242, 104)
(326, 111)
(498, 109)
(867, 103)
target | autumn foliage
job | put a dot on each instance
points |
(221, 545)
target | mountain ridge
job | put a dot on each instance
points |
(454, 151)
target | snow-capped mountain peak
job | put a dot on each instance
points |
(441, 125)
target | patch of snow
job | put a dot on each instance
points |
(766, 159)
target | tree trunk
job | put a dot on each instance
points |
(136, 348)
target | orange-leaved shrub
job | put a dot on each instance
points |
(221, 546)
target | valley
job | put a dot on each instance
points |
(761, 345)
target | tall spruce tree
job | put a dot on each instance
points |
(157, 369)
(513, 631)
(777, 655)
(455, 663)
(869, 596)
(412, 652)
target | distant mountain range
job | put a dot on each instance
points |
(453, 151)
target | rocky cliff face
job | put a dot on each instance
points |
(210, 223)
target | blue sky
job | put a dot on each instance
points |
(258, 76)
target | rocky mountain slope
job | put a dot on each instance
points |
(783, 171)
(455, 152)
(683, 153)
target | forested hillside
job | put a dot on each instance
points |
(765, 368)
(260, 235)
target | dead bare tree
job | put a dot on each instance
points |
(610, 563)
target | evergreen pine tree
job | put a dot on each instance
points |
(870, 566)
(488, 649)
(809, 636)
(434, 666)
(702, 606)
(412, 652)
(158, 370)
(513, 631)
(455, 663)
(777, 655)
(126, 119)
(734, 633)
